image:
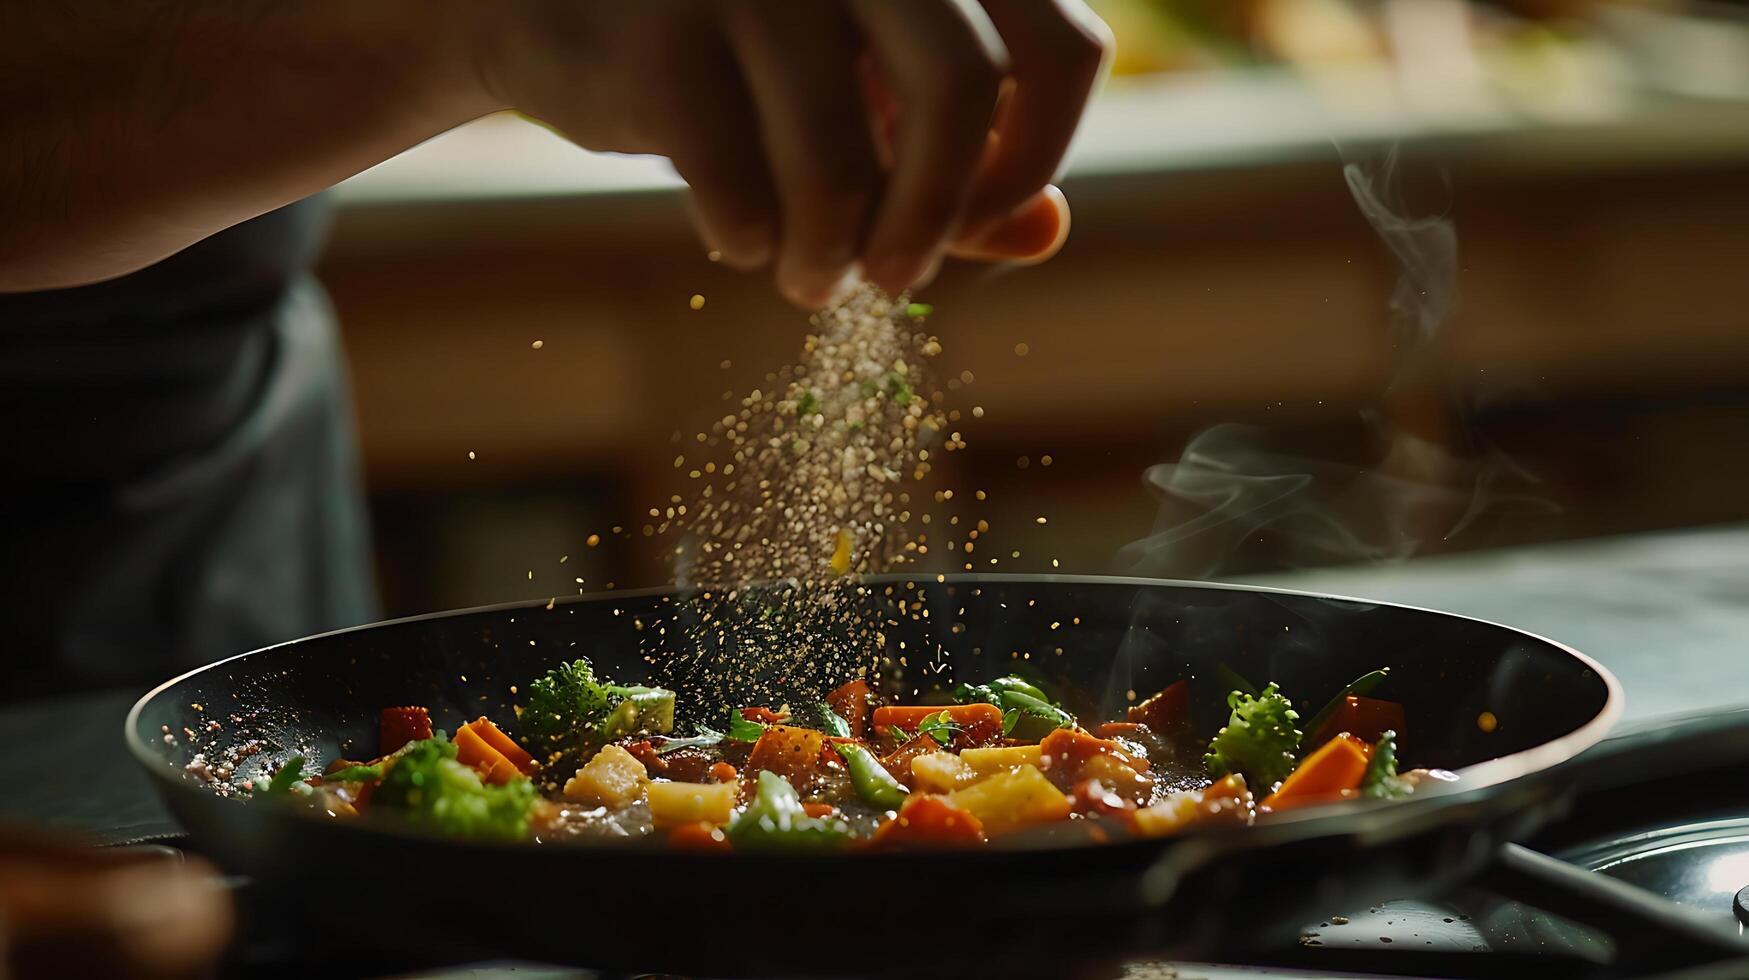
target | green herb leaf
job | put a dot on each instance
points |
(899, 734)
(938, 727)
(917, 310)
(808, 404)
(354, 774)
(743, 729)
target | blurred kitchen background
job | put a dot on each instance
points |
(1594, 379)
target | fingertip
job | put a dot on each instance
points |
(743, 246)
(817, 293)
(1032, 233)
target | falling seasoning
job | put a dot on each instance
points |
(537, 345)
(697, 301)
(592, 540)
(1487, 722)
(470, 454)
(1021, 349)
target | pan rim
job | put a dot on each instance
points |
(1476, 780)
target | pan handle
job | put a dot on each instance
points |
(1649, 931)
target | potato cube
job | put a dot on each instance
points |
(613, 778)
(988, 762)
(1012, 799)
(1171, 815)
(672, 804)
(940, 772)
(1118, 778)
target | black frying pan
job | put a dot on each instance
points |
(986, 912)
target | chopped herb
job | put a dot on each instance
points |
(938, 727)
(919, 310)
(898, 389)
(354, 774)
(808, 404)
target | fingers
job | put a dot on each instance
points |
(799, 58)
(944, 64)
(75, 912)
(715, 149)
(1058, 49)
(1029, 234)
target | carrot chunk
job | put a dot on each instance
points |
(793, 753)
(978, 724)
(699, 835)
(929, 821)
(471, 750)
(398, 726)
(1332, 769)
(852, 702)
(494, 736)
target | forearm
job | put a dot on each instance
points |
(129, 130)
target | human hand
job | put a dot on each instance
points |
(837, 139)
(69, 910)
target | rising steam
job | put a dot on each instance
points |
(1233, 487)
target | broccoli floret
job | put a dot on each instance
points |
(1381, 781)
(428, 786)
(1259, 741)
(567, 695)
(570, 707)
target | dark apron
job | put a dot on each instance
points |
(178, 475)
